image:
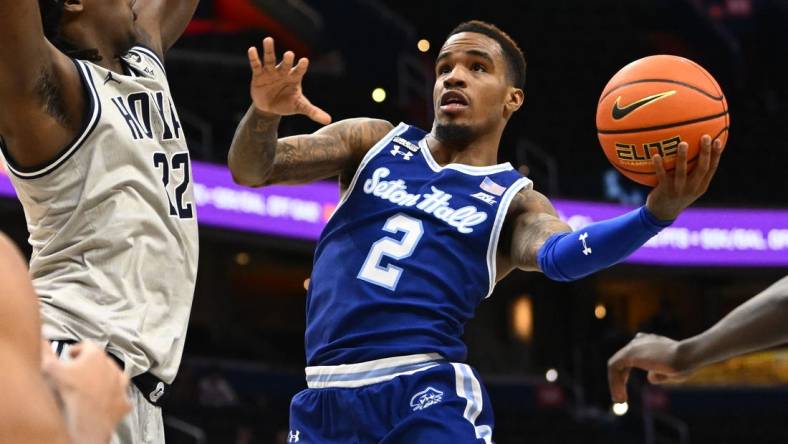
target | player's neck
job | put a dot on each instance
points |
(85, 38)
(109, 60)
(482, 151)
(113, 65)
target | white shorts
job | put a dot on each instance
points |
(143, 425)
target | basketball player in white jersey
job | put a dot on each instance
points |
(99, 161)
(90, 387)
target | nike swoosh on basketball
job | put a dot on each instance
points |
(620, 112)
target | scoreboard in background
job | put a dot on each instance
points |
(700, 237)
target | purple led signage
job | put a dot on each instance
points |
(700, 237)
(5, 185)
(292, 211)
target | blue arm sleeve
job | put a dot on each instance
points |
(570, 256)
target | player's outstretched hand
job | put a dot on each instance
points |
(678, 190)
(276, 88)
(93, 388)
(656, 354)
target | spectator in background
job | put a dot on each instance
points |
(216, 392)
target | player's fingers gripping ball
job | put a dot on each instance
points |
(652, 105)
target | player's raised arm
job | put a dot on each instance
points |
(258, 157)
(40, 94)
(536, 240)
(757, 324)
(25, 53)
(162, 22)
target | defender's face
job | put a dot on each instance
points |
(471, 85)
(116, 19)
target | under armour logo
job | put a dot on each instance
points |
(425, 398)
(406, 154)
(109, 78)
(293, 437)
(157, 392)
(586, 248)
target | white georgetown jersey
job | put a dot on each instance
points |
(112, 221)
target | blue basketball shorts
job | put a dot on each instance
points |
(407, 399)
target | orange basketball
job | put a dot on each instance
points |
(653, 104)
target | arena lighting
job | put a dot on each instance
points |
(423, 45)
(551, 375)
(242, 258)
(600, 311)
(620, 408)
(523, 318)
(378, 95)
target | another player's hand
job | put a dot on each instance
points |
(678, 190)
(276, 88)
(656, 354)
(93, 388)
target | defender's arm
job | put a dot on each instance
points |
(162, 22)
(757, 324)
(41, 99)
(28, 412)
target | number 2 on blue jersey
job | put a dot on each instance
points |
(389, 275)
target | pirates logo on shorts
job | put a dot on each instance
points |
(426, 398)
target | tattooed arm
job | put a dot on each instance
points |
(534, 238)
(538, 240)
(531, 220)
(258, 158)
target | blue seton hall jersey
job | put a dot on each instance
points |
(407, 256)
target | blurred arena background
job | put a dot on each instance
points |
(540, 346)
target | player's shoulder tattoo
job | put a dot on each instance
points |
(531, 201)
(362, 133)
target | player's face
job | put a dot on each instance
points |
(471, 84)
(115, 20)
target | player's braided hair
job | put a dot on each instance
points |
(51, 13)
(511, 52)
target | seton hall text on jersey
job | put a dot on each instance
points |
(435, 203)
(138, 108)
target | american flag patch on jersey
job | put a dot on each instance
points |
(491, 187)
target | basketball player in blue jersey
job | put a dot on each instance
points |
(427, 223)
(96, 152)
